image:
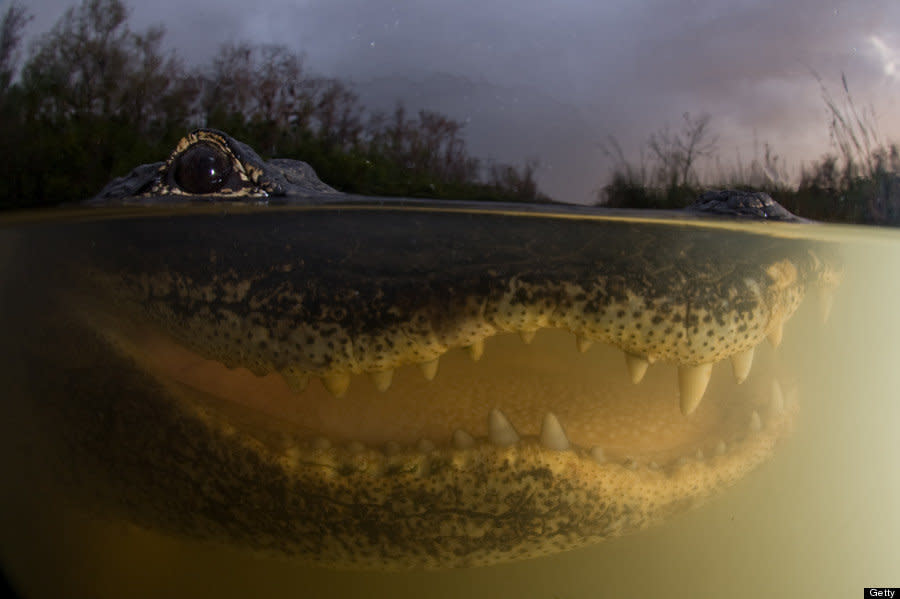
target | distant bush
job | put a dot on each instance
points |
(859, 184)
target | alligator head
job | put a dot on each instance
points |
(390, 383)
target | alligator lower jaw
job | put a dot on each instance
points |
(533, 449)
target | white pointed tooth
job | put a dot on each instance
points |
(462, 439)
(755, 422)
(720, 448)
(500, 432)
(583, 343)
(295, 382)
(429, 369)
(476, 350)
(598, 455)
(527, 336)
(425, 446)
(777, 402)
(699, 455)
(337, 384)
(776, 333)
(637, 367)
(826, 299)
(552, 434)
(740, 365)
(382, 379)
(692, 382)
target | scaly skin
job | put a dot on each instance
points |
(324, 287)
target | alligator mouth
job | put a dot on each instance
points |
(467, 421)
(529, 449)
(540, 389)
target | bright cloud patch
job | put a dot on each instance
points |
(889, 56)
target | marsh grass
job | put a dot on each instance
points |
(93, 98)
(858, 181)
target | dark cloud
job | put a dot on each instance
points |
(551, 80)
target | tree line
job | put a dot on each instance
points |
(93, 98)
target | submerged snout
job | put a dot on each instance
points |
(432, 388)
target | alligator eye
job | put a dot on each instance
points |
(202, 168)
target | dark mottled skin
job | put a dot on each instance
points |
(354, 271)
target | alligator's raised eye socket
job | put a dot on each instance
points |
(202, 168)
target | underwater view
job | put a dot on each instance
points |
(482, 299)
(170, 460)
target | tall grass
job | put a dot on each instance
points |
(858, 181)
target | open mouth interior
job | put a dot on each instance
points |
(544, 392)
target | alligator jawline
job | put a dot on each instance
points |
(515, 455)
(502, 399)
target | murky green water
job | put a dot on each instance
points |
(819, 518)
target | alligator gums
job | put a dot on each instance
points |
(259, 360)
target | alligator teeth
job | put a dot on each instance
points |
(425, 446)
(337, 384)
(777, 402)
(500, 432)
(598, 455)
(552, 434)
(356, 447)
(295, 382)
(527, 336)
(777, 332)
(755, 422)
(429, 369)
(583, 343)
(382, 379)
(476, 350)
(462, 439)
(720, 448)
(637, 367)
(740, 365)
(692, 382)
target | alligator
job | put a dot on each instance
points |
(396, 383)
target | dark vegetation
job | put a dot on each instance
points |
(93, 99)
(859, 182)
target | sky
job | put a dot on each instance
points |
(552, 81)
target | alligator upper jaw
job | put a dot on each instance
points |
(273, 337)
(544, 390)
